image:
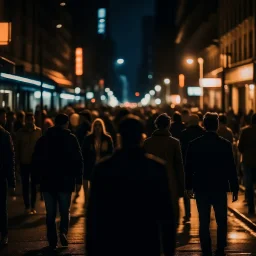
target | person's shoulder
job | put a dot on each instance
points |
(198, 140)
(224, 141)
(4, 132)
(246, 128)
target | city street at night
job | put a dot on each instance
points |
(28, 233)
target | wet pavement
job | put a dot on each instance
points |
(27, 234)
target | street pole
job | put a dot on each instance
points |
(201, 76)
(223, 101)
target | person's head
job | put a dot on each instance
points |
(11, 116)
(163, 121)
(211, 121)
(21, 116)
(193, 120)
(62, 120)
(2, 116)
(85, 115)
(98, 127)
(253, 120)
(30, 119)
(131, 130)
(223, 119)
(185, 115)
(177, 117)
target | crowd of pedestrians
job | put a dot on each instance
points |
(134, 165)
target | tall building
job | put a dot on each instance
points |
(145, 71)
(41, 48)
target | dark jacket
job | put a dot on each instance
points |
(82, 131)
(89, 153)
(129, 204)
(176, 129)
(210, 165)
(7, 159)
(189, 134)
(247, 146)
(57, 161)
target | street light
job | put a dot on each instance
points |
(190, 61)
(158, 88)
(158, 101)
(167, 81)
(59, 26)
(77, 90)
(152, 92)
(120, 61)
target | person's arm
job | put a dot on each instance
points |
(167, 216)
(179, 169)
(9, 160)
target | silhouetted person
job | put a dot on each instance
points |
(185, 113)
(26, 139)
(177, 125)
(59, 163)
(130, 210)
(164, 146)
(210, 173)
(20, 121)
(247, 147)
(97, 145)
(193, 131)
(7, 176)
(224, 131)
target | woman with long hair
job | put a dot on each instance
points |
(97, 145)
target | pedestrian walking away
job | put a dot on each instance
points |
(7, 176)
(130, 210)
(210, 173)
(59, 164)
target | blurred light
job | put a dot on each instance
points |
(59, 26)
(103, 97)
(37, 94)
(79, 61)
(107, 90)
(5, 34)
(89, 95)
(150, 76)
(172, 106)
(152, 92)
(77, 90)
(110, 93)
(137, 94)
(120, 61)
(26, 80)
(200, 60)
(210, 82)
(93, 100)
(113, 102)
(251, 86)
(158, 101)
(194, 91)
(190, 61)
(181, 80)
(67, 96)
(101, 31)
(158, 88)
(167, 81)
(147, 96)
(3, 104)
(102, 20)
(144, 102)
(102, 13)
(62, 4)
(175, 98)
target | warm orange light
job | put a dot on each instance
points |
(137, 94)
(210, 82)
(79, 61)
(181, 80)
(5, 33)
(101, 83)
(190, 61)
(93, 100)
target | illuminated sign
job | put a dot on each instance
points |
(79, 61)
(239, 74)
(175, 98)
(210, 82)
(181, 80)
(194, 91)
(102, 13)
(5, 33)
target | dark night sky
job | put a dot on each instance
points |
(126, 18)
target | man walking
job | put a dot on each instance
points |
(193, 131)
(210, 173)
(59, 162)
(7, 176)
(26, 139)
(247, 147)
(130, 209)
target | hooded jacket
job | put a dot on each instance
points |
(58, 161)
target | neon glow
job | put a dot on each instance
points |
(37, 94)
(67, 96)
(79, 61)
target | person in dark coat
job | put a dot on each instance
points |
(85, 125)
(58, 162)
(210, 173)
(129, 209)
(97, 145)
(177, 125)
(193, 131)
(7, 176)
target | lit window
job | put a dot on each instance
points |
(101, 13)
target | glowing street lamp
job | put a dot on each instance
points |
(158, 101)
(190, 61)
(167, 81)
(120, 61)
(158, 88)
(152, 92)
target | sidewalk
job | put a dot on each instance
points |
(27, 233)
(240, 210)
